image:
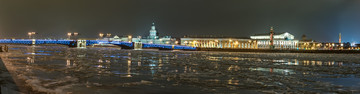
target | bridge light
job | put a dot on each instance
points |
(69, 35)
(101, 35)
(31, 33)
(75, 33)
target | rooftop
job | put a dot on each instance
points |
(267, 34)
(213, 36)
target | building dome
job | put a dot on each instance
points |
(153, 32)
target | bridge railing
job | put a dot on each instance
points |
(129, 44)
(38, 41)
(46, 41)
(16, 41)
(91, 42)
(175, 47)
(64, 42)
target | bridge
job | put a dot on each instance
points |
(84, 43)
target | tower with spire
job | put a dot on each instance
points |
(153, 32)
(340, 38)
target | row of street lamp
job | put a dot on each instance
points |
(72, 34)
(101, 35)
(31, 34)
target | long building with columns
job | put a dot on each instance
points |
(258, 41)
(213, 42)
(280, 41)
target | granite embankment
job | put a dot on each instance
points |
(279, 51)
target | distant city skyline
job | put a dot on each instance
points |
(320, 20)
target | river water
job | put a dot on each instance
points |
(59, 69)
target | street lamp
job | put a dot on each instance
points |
(69, 35)
(101, 35)
(76, 33)
(108, 35)
(130, 38)
(30, 34)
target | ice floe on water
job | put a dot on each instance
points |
(53, 69)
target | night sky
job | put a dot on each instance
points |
(321, 20)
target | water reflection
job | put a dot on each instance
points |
(68, 63)
(307, 62)
(111, 69)
(129, 68)
(274, 70)
(233, 82)
(30, 59)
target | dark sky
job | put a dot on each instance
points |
(321, 20)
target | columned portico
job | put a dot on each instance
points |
(219, 43)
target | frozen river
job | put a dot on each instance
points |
(58, 69)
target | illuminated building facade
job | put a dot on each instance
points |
(309, 44)
(258, 41)
(123, 38)
(162, 40)
(303, 45)
(203, 42)
(279, 41)
(153, 38)
(332, 46)
(357, 46)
